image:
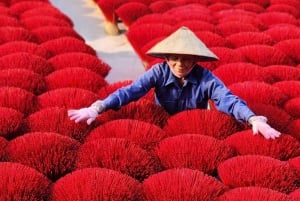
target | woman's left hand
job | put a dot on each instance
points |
(260, 125)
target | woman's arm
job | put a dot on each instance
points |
(132, 92)
(229, 103)
(117, 99)
(225, 100)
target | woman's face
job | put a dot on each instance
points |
(181, 65)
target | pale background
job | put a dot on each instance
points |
(114, 50)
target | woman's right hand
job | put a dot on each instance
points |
(88, 114)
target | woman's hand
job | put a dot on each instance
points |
(260, 125)
(88, 114)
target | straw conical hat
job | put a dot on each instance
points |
(182, 41)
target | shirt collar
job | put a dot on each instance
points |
(192, 78)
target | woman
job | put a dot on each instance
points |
(180, 84)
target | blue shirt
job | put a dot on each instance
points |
(199, 87)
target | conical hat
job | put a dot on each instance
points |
(182, 41)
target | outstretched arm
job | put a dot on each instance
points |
(115, 100)
(233, 105)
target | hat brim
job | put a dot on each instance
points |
(184, 42)
(198, 58)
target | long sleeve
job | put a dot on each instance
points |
(224, 100)
(132, 92)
